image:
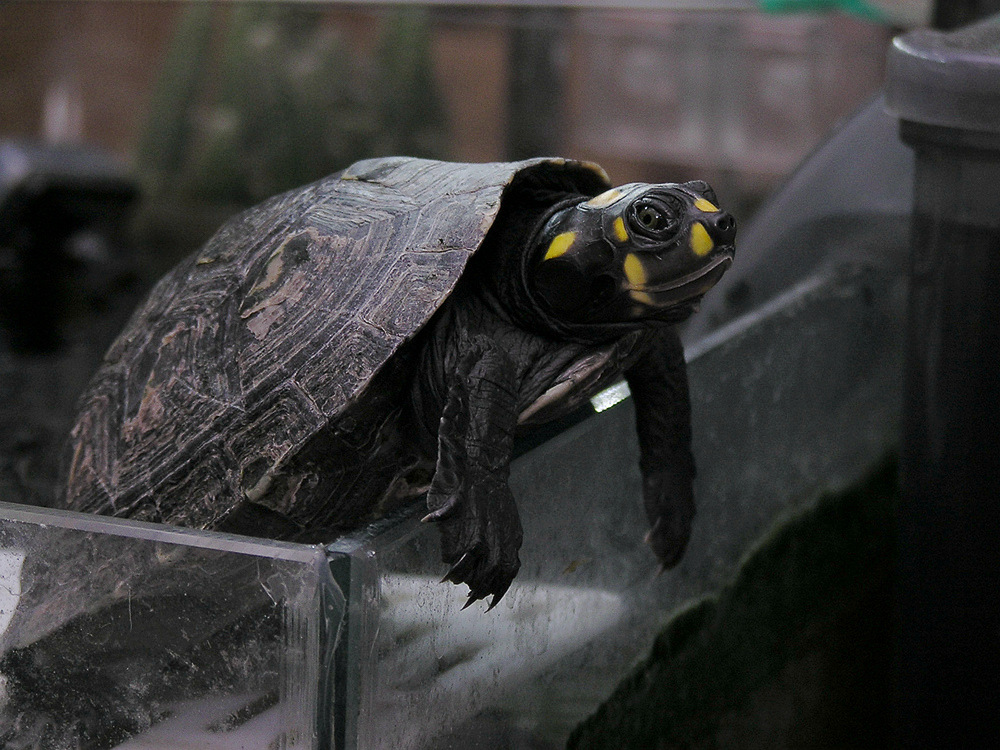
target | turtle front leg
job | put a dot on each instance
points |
(659, 386)
(469, 496)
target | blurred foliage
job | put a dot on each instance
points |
(410, 112)
(859, 8)
(162, 147)
(258, 98)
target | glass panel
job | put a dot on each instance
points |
(787, 401)
(180, 636)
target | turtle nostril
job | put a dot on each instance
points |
(725, 225)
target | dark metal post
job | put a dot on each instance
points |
(950, 14)
(946, 90)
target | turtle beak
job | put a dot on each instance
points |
(691, 286)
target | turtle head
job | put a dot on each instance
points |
(632, 253)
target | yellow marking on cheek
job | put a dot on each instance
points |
(641, 297)
(634, 271)
(621, 234)
(560, 245)
(701, 243)
(604, 199)
(707, 206)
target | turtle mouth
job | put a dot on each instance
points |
(691, 285)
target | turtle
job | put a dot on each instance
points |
(387, 332)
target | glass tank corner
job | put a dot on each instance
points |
(170, 637)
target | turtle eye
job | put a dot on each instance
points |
(655, 218)
(650, 218)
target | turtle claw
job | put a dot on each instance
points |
(648, 537)
(481, 539)
(444, 511)
(498, 595)
(498, 592)
(483, 580)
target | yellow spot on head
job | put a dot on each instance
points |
(560, 245)
(641, 297)
(634, 271)
(701, 243)
(604, 199)
(621, 234)
(707, 206)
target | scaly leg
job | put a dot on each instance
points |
(658, 382)
(469, 496)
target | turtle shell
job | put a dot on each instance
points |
(252, 345)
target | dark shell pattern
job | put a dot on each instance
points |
(247, 349)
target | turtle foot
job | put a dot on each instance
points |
(480, 538)
(670, 508)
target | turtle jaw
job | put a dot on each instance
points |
(686, 288)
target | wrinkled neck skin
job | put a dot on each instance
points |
(492, 300)
(503, 265)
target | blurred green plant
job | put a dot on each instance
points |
(411, 113)
(283, 101)
(163, 143)
(862, 8)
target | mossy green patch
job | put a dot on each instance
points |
(794, 652)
